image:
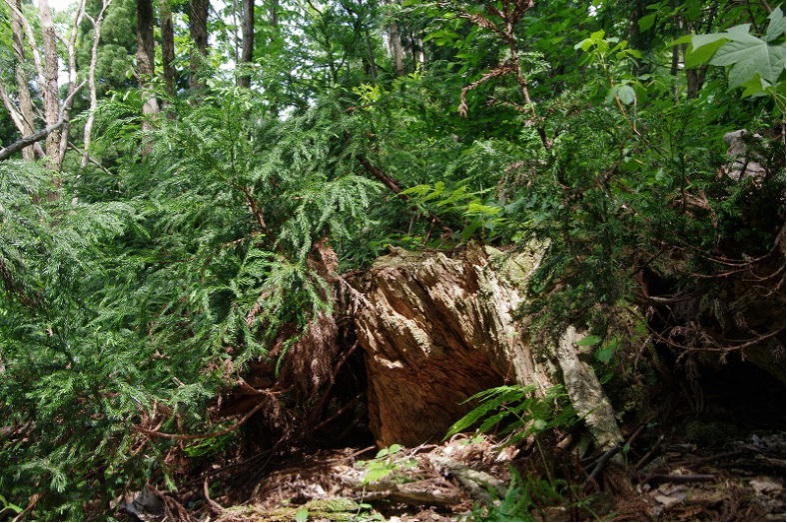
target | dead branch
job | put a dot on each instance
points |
(181, 437)
(394, 186)
(29, 140)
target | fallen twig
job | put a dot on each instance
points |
(678, 478)
(608, 455)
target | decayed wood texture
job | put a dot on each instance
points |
(436, 330)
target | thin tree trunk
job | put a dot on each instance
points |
(236, 26)
(13, 111)
(247, 52)
(88, 132)
(50, 87)
(71, 47)
(274, 13)
(15, 7)
(27, 118)
(395, 46)
(167, 46)
(145, 63)
(198, 28)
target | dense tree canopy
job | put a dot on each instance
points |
(162, 236)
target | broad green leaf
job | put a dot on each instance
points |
(646, 22)
(749, 56)
(776, 25)
(742, 33)
(698, 41)
(685, 39)
(695, 57)
(627, 95)
(588, 341)
(376, 474)
(754, 87)
(604, 353)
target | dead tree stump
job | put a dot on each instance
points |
(437, 330)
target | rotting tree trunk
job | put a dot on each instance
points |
(437, 330)
(434, 328)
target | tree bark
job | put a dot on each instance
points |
(274, 13)
(395, 46)
(438, 329)
(167, 46)
(25, 110)
(247, 52)
(50, 87)
(198, 29)
(71, 48)
(145, 62)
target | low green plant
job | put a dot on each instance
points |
(387, 462)
(515, 411)
(524, 495)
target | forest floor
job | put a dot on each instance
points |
(723, 462)
(741, 481)
(468, 478)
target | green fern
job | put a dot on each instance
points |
(524, 411)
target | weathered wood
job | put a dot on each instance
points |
(437, 330)
(585, 392)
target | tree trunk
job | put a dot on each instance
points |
(91, 82)
(50, 87)
(167, 46)
(27, 118)
(274, 13)
(145, 63)
(198, 28)
(71, 49)
(395, 46)
(247, 52)
(436, 330)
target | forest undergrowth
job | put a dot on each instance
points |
(191, 215)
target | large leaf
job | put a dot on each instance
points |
(698, 41)
(776, 25)
(748, 56)
(699, 55)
